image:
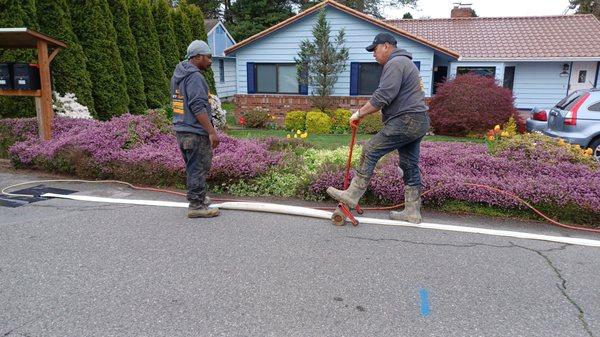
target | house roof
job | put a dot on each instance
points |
(209, 24)
(382, 24)
(575, 37)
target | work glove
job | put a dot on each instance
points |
(355, 118)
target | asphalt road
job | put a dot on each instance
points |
(71, 268)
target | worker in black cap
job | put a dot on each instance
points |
(400, 98)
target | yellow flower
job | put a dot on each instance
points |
(298, 132)
(295, 136)
(589, 151)
(304, 135)
(288, 136)
(504, 134)
(491, 137)
(497, 128)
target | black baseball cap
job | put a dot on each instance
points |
(382, 38)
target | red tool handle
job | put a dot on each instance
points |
(354, 127)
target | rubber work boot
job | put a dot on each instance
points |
(201, 210)
(350, 197)
(412, 206)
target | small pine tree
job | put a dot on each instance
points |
(69, 68)
(93, 25)
(321, 61)
(151, 62)
(129, 56)
(199, 33)
(166, 36)
(407, 16)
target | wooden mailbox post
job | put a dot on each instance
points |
(24, 38)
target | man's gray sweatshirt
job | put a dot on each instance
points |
(188, 84)
(399, 91)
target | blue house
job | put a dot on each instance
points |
(540, 59)
(223, 66)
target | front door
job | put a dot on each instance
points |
(439, 76)
(583, 75)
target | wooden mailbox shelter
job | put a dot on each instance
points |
(24, 38)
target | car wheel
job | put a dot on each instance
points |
(595, 146)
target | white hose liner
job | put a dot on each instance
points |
(313, 213)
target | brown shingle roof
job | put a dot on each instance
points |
(209, 24)
(540, 37)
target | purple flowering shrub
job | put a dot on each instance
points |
(447, 168)
(138, 148)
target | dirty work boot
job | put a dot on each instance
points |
(350, 197)
(207, 200)
(201, 210)
(412, 206)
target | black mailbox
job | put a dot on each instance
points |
(5, 79)
(26, 76)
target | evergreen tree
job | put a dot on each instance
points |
(248, 17)
(151, 62)
(129, 56)
(407, 16)
(169, 48)
(372, 7)
(199, 33)
(16, 14)
(210, 8)
(321, 61)
(586, 6)
(93, 25)
(183, 32)
(69, 67)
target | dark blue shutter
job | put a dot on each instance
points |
(418, 64)
(250, 77)
(303, 89)
(354, 73)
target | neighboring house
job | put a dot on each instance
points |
(539, 58)
(223, 66)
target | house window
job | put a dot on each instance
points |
(276, 78)
(582, 76)
(509, 77)
(368, 78)
(222, 70)
(364, 77)
(483, 71)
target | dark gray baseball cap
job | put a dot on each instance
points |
(382, 38)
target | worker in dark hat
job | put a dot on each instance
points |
(401, 100)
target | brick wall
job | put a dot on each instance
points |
(279, 105)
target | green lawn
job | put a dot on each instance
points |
(331, 141)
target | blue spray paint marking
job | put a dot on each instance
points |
(424, 302)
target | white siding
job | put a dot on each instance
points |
(283, 45)
(539, 84)
(536, 83)
(227, 88)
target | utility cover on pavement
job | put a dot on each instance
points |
(36, 191)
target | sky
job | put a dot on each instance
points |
(495, 8)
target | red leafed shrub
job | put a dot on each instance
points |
(470, 104)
